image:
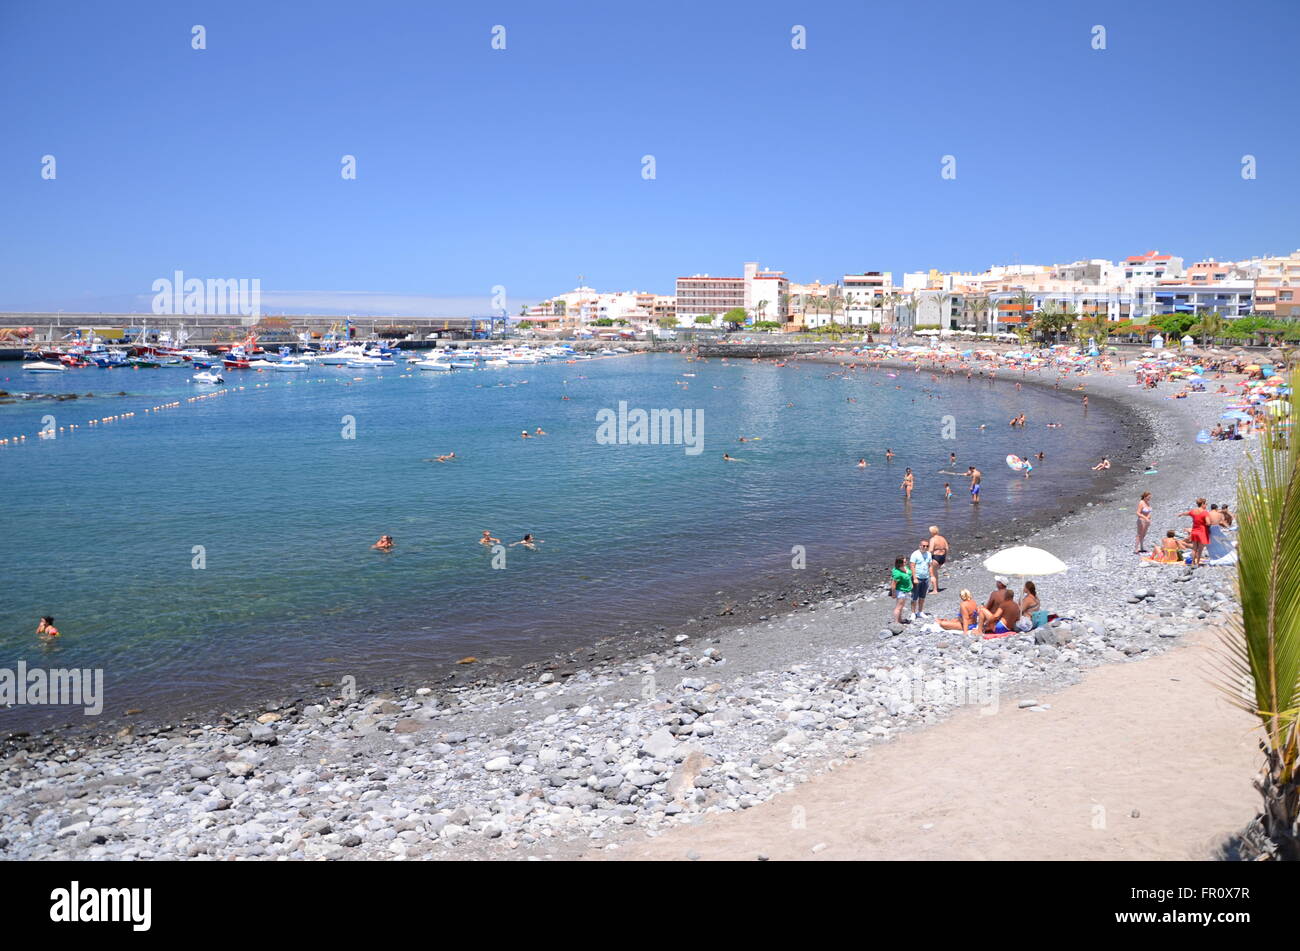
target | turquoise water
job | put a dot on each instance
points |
(101, 522)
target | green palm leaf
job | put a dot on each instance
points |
(1261, 660)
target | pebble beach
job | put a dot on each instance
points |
(582, 760)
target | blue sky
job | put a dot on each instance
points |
(479, 167)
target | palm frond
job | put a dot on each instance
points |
(1260, 663)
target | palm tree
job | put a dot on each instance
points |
(1211, 326)
(944, 300)
(1023, 333)
(1024, 301)
(1262, 647)
(978, 307)
(892, 300)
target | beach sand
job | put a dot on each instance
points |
(1138, 761)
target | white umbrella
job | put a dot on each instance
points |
(1024, 561)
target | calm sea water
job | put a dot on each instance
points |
(101, 524)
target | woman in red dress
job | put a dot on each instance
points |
(1199, 536)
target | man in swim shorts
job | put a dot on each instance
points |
(938, 554)
(975, 476)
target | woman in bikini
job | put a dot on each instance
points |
(970, 616)
(1144, 522)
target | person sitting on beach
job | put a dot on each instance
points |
(1170, 551)
(970, 616)
(1003, 618)
(385, 543)
(1227, 516)
(996, 597)
(46, 629)
(1104, 464)
(528, 542)
(488, 539)
(1029, 604)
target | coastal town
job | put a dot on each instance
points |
(1136, 296)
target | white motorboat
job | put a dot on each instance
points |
(287, 365)
(496, 362)
(434, 365)
(371, 363)
(208, 376)
(45, 366)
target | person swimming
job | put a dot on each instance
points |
(447, 457)
(385, 543)
(488, 539)
(862, 463)
(46, 628)
(528, 542)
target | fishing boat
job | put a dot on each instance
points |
(45, 366)
(208, 376)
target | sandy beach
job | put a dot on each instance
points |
(1138, 761)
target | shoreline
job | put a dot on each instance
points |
(763, 594)
(513, 718)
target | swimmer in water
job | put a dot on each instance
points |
(488, 539)
(728, 458)
(385, 543)
(46, 629)
(947, 491)
(862, 463)
(889, 454)
(539, 431)
(525, 435)
(528, 542)
(447, 457)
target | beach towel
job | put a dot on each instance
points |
(1220, 546)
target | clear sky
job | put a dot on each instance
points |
(522, 167)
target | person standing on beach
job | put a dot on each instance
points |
(975, 477)
(921, 563)
(938, 554)
(1144, 522)
(900, 588)
(1199, 536)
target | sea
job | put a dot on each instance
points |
(205, 549)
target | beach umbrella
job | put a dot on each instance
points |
(1235, 414)
(1023, 560)
(1278, 407)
